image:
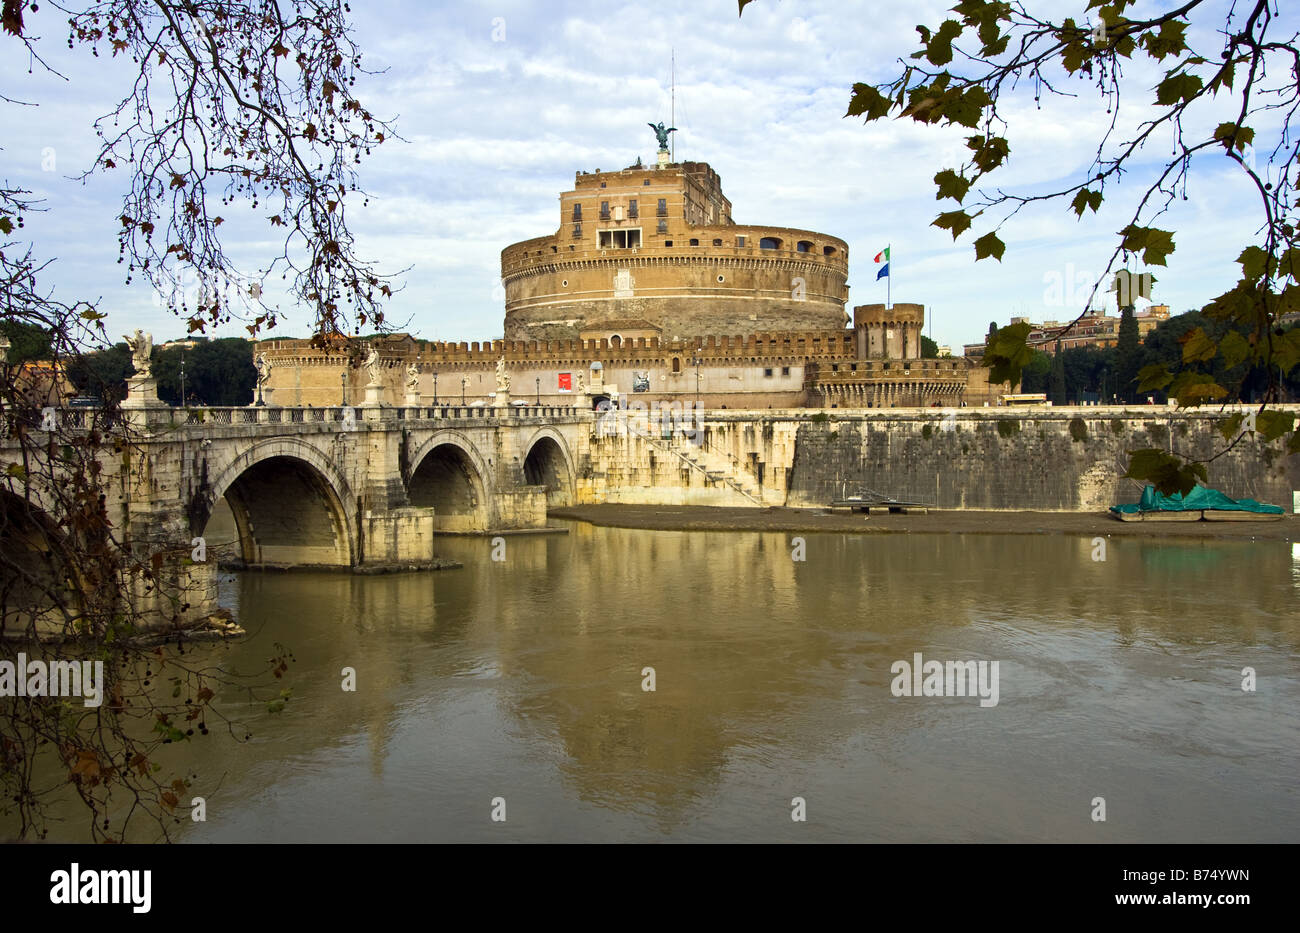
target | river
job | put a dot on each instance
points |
(515, 687)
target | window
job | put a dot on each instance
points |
(631, 209)
(602, 184)
(717, 241)
(577, 230)
(785, 370)
(767, 372)
(694, 242)
(804, 246)
(620, 239)
(662, 211)
(577, 213)
(663, 228)
(604, 210)
(828, 250)
(740, 241)
(646, 182)
(677, 364)
(668, 242)
(769, 242)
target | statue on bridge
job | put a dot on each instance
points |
(371, 362)
(503, 377)
(413, 379)
(263, 366)
(141, 346)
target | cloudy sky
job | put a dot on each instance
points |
(499, 103)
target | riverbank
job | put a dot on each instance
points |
(936, 521)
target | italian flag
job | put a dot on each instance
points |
(883, 255)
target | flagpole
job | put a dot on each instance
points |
(889, 279)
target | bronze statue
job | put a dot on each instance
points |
(662, 134)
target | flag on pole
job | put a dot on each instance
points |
(883, 256)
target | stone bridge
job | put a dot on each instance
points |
(350, 487)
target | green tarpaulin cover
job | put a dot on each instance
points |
(1202, 497)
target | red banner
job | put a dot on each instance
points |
(566, 382)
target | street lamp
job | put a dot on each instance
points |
(343, 380)
(464, 381)
(696, 360)
(539, 391)
(435, 390)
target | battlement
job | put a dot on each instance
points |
(829, 345)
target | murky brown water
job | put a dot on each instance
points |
(522, 680)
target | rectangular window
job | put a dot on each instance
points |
(604, 210)
(620, 239)
(785, 370)
(663, 207)
(740, 241)
(663, 228)
(577, 230)
(767, 372)
(577, 213)
(631, 208)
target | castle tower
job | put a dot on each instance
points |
(659, 246)
(884, 333)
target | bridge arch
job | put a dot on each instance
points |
(289, 504)
(449, 475)
(39, 578)
(547, 462)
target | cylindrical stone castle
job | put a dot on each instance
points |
(658, 249)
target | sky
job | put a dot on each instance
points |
(498, 104)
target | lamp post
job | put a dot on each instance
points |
(343, 381)
(696, 360)
(464, 381)
(539, 391)
(182, 377)
(435, 389)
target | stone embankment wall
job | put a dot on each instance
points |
(1069, 459)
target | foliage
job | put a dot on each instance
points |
(27, 342)
(1128, 354)
(217, 372)
(1078, 430)
(929, 349)
(1056, 382)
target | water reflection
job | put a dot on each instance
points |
(523, 679)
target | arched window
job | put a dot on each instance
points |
(616, 341)
(804, 246)
(677, 364)
(769, 242)
(828, 250)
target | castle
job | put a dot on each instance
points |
(650, 290)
